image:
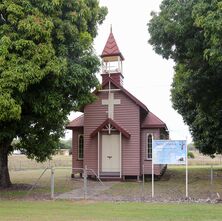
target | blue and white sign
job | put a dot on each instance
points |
(169, 152)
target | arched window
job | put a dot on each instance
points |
(80, 147)
(149, 146)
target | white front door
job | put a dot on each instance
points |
(111, 153)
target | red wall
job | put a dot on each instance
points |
(75, 162)
(144, 161)
(94, 115)
(127, 116)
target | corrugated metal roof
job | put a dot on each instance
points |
(78, 122)
(111, 48)
(152, 121)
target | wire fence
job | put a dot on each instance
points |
(53, 180)
(21, 162)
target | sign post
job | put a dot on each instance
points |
(169, 152)
(186, 170)
(152, 179)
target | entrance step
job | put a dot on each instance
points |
(110, 176)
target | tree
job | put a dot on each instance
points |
(65, 144)
(47, 69)
(189, 32)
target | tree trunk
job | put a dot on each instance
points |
(4, 173)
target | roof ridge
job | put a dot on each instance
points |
(113, 123)
(78, 122)
(157, 117)
(136, 100)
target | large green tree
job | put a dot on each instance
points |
(190, 33)
(47, 69)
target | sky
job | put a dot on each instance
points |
(146, 75)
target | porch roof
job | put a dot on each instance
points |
(78, 122)
(152, 121)
(114, 124)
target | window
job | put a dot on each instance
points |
(80, 147)
(149, 146)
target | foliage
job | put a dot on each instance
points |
(190, 155)
(189, 32)
(191, 146)
(65, 144)
(47, 69)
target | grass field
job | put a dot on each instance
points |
(25, 179)
(94, 211)
(18, 204)
(21, 162)
(171, 187)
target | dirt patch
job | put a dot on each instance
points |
(18, 187)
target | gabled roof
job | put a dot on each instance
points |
(133, 98)
(78, 122)
(111, 48)
(152, 121)
(114, 124)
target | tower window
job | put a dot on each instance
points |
(149, 146)
(80, 147)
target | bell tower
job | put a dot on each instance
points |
(112, 60)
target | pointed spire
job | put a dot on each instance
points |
(111, 48)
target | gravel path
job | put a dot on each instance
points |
(94, 191)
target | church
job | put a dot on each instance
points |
(113, 136)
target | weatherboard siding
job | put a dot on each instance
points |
(94, 115)
(147, 162)
(127, 115)
(76, 163)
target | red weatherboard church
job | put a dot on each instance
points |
(114, 135)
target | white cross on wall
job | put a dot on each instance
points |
(111, 102)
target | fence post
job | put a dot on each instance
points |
(211, 175)
(143, 183)
(85, 181)
(52, 182)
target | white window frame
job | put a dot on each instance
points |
(147, 148)
(79, 158)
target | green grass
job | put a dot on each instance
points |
(26, 178)
(172, 185)
(67, 210)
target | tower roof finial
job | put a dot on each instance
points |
(111, 48)
(111, 28)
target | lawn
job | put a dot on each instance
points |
(18, 204)
(94, 211)
(24, 180)
(171, 187)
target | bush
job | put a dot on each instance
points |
(191, 155)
